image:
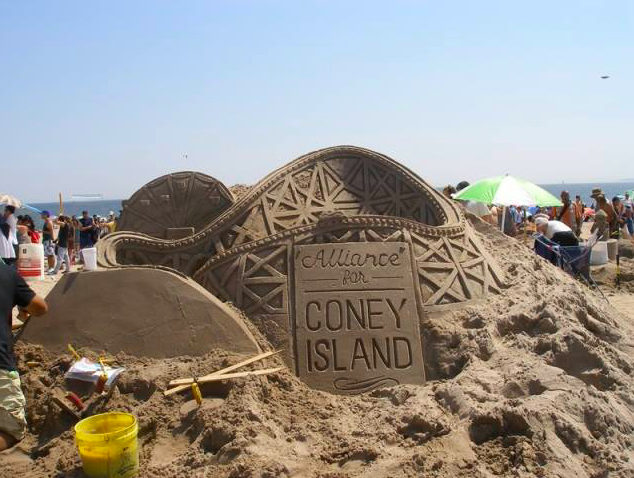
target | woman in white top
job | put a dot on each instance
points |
(12, 221)
(7, 251)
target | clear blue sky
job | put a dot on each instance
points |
(100, 97)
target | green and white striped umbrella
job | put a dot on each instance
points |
(508, 191)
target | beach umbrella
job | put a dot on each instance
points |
(9, 200)
(31, 208)
(507, 191)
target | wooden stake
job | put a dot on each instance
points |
(257, 358)
(226, 376)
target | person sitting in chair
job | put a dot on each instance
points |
(556, 231)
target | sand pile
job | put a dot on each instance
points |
(536, 381)
(239, 190)
(143, 312)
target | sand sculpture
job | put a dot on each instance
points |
(533, 381)
(175, 205)
(156, 314)
(336, 258)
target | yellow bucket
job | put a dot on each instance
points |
(108, 445)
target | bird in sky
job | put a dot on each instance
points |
(605, 77)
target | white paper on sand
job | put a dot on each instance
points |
(89, 371)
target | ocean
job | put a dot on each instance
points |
(103, 207)
(585, 189)
(72, 208)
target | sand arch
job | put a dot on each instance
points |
(345, 179)
(175, 205)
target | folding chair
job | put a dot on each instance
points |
(574, 260)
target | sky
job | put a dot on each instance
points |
(102, 97)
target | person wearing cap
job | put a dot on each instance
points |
(595, 192)
(86, 226)
(62, 245)
(47, 240)
(556, 231)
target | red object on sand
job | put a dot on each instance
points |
(75, 400)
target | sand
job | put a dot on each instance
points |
(239, 191)
(536, 381)
(145, 312)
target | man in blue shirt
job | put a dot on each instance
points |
(86, 231)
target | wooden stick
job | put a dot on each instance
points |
(189, 381)
(226, 376)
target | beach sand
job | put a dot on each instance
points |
(536, 381)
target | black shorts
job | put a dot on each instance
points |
(567, 238)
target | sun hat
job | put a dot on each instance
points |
(596, 192)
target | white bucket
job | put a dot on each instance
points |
(599, 254)
(31, 261)
(90, 258)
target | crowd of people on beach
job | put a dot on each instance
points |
(62, 237)
(562, 224)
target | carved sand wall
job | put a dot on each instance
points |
(447, 270)
(335, 257)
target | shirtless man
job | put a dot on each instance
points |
(47, 240)
(569, 214)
